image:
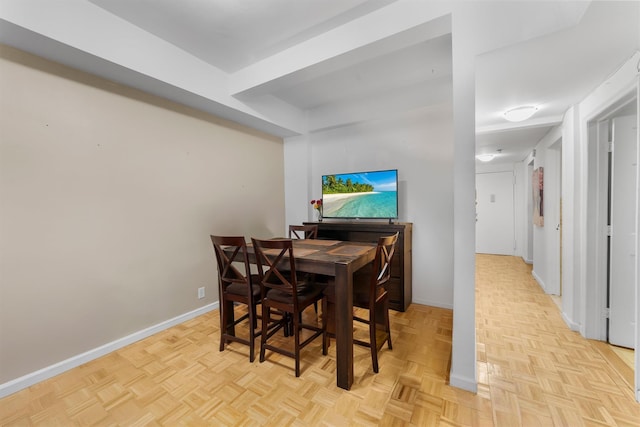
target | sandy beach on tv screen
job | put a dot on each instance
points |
(333, 202)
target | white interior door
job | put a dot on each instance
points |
(494, 213)
(624, 193)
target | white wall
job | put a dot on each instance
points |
(545, 252)
(524, 198)
(571, 236)
(108, 198)
(539, 270)
(419, 146)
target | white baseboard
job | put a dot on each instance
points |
(75, 361)
(571, 324)
(465, 383)
(432, 304)
(539, 280)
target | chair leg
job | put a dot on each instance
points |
(254, 322)
(223, 325)
(266, 315)
(288, 325)
(296, 335)
(252, 331)
(372, 341)
(386, 315)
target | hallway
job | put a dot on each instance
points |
(532, 367)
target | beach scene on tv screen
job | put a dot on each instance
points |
(360, 195)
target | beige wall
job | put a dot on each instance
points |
(107, 200)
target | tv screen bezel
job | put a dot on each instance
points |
(390, 218)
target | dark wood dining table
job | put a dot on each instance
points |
(339, 260)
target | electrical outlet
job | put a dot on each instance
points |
(200, 293)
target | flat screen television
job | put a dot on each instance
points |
(361, 195)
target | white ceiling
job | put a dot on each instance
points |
(232, 34)
(250, 44)
(552, 72)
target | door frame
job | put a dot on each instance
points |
(595, 313)
(613, 210)
(595, 191)
(553, 196)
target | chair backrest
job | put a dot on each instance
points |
(382, 262)
(227, 271)
(303, 231)
(274, 269)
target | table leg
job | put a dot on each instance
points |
(344, 325)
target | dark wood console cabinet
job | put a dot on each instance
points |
(399, 287)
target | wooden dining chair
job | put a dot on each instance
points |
(236, 286)
(303, 231)
(370, 293)
(281, 290)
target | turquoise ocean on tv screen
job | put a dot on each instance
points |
(374, 205)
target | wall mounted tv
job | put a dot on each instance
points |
(361, 195)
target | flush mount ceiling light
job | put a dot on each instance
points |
(520, 113)
(485, 157)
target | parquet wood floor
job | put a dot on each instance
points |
(625, 354)
(533, 371)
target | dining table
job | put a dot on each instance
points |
(338, 260)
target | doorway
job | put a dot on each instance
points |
(495, 225)
(612, 225)
(623, 193)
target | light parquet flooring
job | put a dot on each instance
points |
(531, 366)
(532, 371)
(625, 354)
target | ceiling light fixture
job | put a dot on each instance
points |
(485, 157)
(520, 113)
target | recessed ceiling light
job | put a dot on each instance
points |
(485, 157)
(520, 113)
